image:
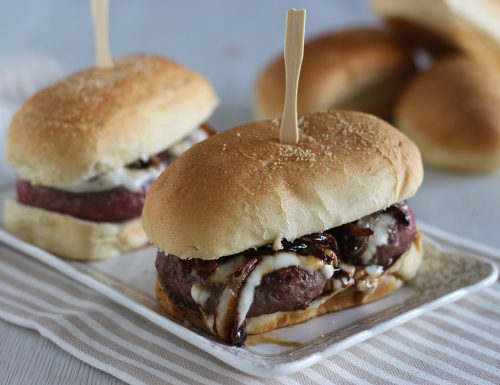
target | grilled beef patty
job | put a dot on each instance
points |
(114, 205)
(285, 289)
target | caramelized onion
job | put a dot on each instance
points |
(357, 231)
(353, 237)
(208, 129)
(399, 211)
(320, 245)
(226, 311)
(155, 161)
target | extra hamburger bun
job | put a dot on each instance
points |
(100, 119)
(243, 188)
(452, 112)
(444, 25)
(70, 237)
(391, 280)
(358, 69)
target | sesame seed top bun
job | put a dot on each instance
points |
(99, 119)
(243, 188)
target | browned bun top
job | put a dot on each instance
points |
(452, 112)
(99, 119)
(350, 69)
(243, 188)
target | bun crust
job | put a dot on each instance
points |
(70, 237)
(100, 119)
(441, 25)
(359, 69)
(243, 188)
(405, 269)
(452, 113)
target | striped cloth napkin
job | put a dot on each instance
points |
(458, 344)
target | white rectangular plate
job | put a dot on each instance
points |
(451, 269)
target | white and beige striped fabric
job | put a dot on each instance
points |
(458, 344)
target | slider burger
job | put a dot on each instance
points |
(361, 69)
(254, 234)
(87, 148)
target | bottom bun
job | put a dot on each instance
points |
(70, 237)
(403, 270)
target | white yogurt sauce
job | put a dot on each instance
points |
(185, 144)
(132, 179)
(380, 236)
(374, 270)
(346, 268)
(199, 294)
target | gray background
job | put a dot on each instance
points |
(228, 41)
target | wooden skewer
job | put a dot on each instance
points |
(100, 10)
(294, 51)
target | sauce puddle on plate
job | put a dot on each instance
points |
(257, 339)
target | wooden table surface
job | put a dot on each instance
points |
(229, 41)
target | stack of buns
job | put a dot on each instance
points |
(451, 110)
(448, 110)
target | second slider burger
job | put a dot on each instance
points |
(254, 234)
(87, 148)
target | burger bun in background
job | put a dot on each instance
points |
(362, 68)
(452, 112)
